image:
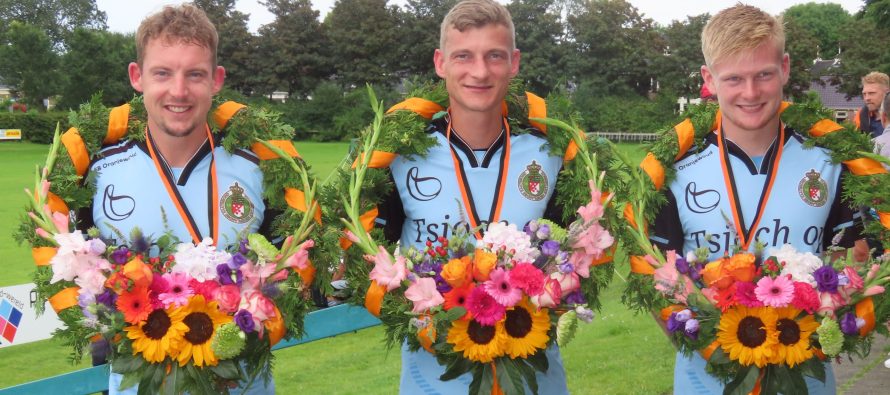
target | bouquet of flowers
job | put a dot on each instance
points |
(487, 306)
(773, 322)
(179, 317)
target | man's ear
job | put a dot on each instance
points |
(135, 73)
(219, 77)
(439, 62)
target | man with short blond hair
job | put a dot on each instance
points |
(875, 86)
(759, 162)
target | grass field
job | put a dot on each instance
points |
(619, 353)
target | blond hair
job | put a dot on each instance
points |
(475, 14)
(177, 24)
(876, 77)
(738, 29)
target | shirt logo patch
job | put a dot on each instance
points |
(813, 189)
(235, 206)
(533, 182)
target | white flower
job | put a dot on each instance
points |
(77, 257)
(799, 265)
(513, 241)
(199, 261)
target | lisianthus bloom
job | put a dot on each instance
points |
(458, 297)
(775, 292)
(485, 309)
(458, 272)
(829, 302)
(386, 272)
(567, 282)
(826, 279)
(424, 294)
(483, 263)
(805, 297)
(500, 288)
(528, 278)
(259, 306)
(854, 281)
(848, 324)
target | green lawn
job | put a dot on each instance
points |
(619, 353)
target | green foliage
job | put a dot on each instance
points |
(36, 127)
(680, 72)
(96, 61)
(539, 37)
(823, 21)
(237, 46)
(28, 62)
(56, 18)
(363, 35)
(419, 35)
(626, 113)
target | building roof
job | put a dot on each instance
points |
(832, 98)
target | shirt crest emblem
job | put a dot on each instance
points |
(533, 182)
(235, 206)
(813, 190)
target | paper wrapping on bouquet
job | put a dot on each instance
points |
(685, 137)
(367, 221)
(118, 119)
(824, 127)
(64, 299)
(56, 204)
(537, 108)
(225, 112)
(427, 335)
(374, 298)
(275, 327)
(77, 150)
(865, 309)
(379, 159)
(264, 153)
(423, 107)
(296, 199)
(639, 265)
(865, 167)
(653, 168)
(42, 255)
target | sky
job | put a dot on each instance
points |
(124, 16)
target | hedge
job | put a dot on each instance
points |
(37, 127)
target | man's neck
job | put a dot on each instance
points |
(478, 129)
(754, 143)
(177, 151)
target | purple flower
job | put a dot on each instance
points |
(530, 228)
(271, 290)
(691, 329)
(225, 274)
(695, 271)
(543, 232)
(237, 260)
(566, 268)
(550, 248)
(575, 298)
(441, 285)
(242, 246)
(120, 255)
(107, 298)
(673, 325)
(684, 315)
(848, 324)
(682, 265)
(244, 320)
(826, 279)
(842, 280)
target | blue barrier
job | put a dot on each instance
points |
(319, 325)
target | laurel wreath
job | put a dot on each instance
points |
(247, 128)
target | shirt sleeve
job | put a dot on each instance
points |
(391, 214)
(842, 218)
(666, 231)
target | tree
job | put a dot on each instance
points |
(859, 56)
(236, 47)
(679, 71)
(96, 61)
(364, 41)
(57, 18)
(614, 46)
(419, 27)
(802, 46)
(539, 37)
(28, 62)
(823, 22)
(292, 50)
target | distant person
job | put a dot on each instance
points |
(882, 142)
(875, 86)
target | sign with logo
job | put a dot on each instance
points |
(10, 134)
(19, 322)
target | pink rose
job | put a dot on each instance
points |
(568, 283)
(258, 305)
(424, 295)
(829, 302)
(228, 297)
(386, 272)
(551, 295)
(855, 283)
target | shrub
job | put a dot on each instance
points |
(37, 127)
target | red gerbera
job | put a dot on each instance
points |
(457, 297)
(726, 297)
(135, 304)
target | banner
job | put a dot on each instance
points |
(19, 322)
(10, 134)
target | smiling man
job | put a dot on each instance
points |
(477, 155)
(752, 172)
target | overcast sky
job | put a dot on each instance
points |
(124, 16)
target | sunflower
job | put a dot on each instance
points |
(159, 335)
(201, 319)
(526, 329)
(748, 335)
(794, 337)
(478, 342)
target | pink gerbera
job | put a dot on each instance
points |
(528, 278)
(500, 288)
(775, 292)
(178, 291)
(745, 294)
(484, 308)
(805, 297)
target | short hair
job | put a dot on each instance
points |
(738, 29)
(177, 24)
(885, 105)
(876, 77)
(475, 14)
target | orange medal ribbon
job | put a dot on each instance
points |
(465, 192)
(746, 234)
(167, 178)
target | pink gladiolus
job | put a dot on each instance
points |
(386, 272)
(424, 295)
(873, 290)
(281, 275)
(44, 234)
(60, 220)
(255, 275)
(593, 210)
(300, 259)
(589, 245)
(550, 297)
(872, 272)
(669, 281)
(352, 237)
(568, 283)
